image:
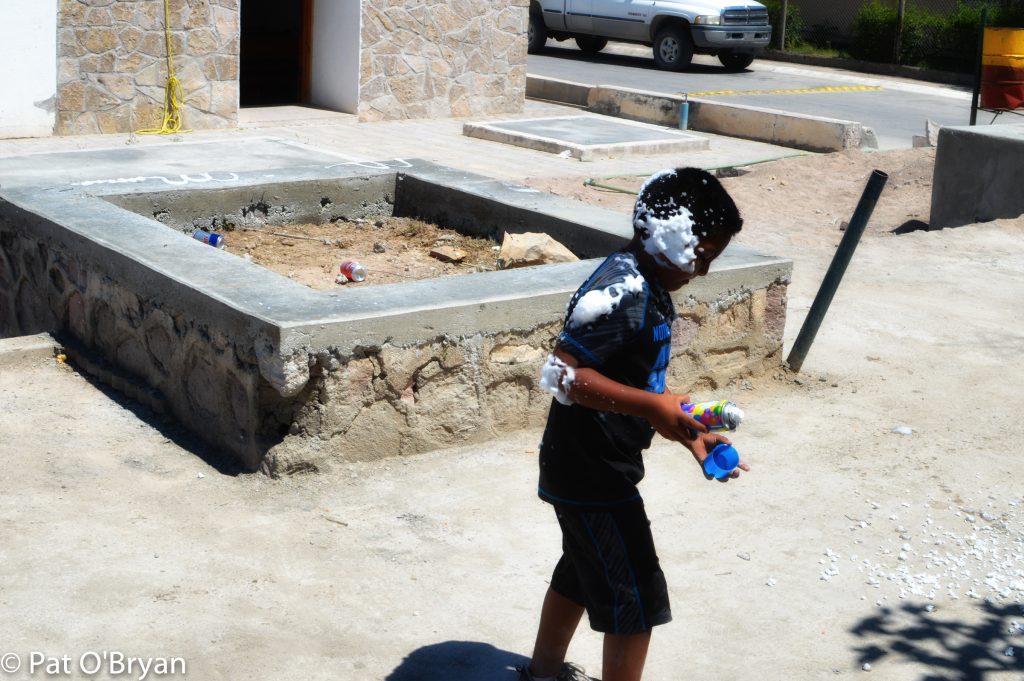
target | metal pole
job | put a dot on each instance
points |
(782, 27)
(848, 244)
(977, 73)
(901, 12)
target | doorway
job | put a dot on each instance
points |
(275, 52)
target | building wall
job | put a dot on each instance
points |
(112, 64)
(438, 58)
(418, 59)
(28, 75)
(335, 58)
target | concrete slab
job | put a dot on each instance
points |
(22, 349)
(587, 137)
(436, 140)
(173, 164)
(800, 131)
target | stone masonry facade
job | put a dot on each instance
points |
(112, 64)
(419, 59)
(439, 58)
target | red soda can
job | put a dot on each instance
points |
(353, 271)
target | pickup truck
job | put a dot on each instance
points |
(675, 29)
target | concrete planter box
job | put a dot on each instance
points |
(287, 378)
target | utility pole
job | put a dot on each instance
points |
(901, 10)
(782, 27)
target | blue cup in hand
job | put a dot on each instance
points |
(721, 461)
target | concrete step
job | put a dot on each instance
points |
(22, 350)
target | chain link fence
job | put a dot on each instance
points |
(938, 34)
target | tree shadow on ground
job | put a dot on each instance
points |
(952, 650)
(458, 661)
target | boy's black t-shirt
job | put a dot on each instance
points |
(590, 457)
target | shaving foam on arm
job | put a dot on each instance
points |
(557, 378)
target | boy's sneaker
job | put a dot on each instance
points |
(569, 672)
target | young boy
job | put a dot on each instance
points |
(607, 374)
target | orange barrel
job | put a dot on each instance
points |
(1002, 69)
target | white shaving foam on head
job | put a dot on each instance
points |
(670, 236)
(557, 378)
(598, 302)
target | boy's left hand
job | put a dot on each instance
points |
(704, 443)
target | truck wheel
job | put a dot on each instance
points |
(591, 43)
(673, 48)
(735, 61)
(537, 35)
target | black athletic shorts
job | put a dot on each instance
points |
(609, 566)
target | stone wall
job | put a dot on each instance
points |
(155, 352)
(406, 400)
(438, 58)
(419, 59)
(112, 64)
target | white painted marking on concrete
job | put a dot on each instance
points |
(184, 179)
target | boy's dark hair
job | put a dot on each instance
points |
(700, 192)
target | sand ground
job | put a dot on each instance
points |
(846, 544)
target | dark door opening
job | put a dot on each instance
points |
(274, 60)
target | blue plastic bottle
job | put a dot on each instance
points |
(721, 461)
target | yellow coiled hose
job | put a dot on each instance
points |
(173, 96)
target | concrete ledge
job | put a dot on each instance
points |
(23, 349)
(810, 133)
(977, 175)
(286, 378)
(555, 90)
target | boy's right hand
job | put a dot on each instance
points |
(670, 421)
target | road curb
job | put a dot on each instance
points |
(872, 68)
(800, 131)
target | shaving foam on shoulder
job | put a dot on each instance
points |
(557, 378)
(599, 302)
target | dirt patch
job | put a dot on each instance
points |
(788, 206)
(433, 566)
(392, 249)
(791, 204)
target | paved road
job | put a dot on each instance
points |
(897, 110)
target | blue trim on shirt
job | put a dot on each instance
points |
(647, 294)
(600, 268)
(591, 357)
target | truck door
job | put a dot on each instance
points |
(627, 20)
(554, 14)
(578, 16)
